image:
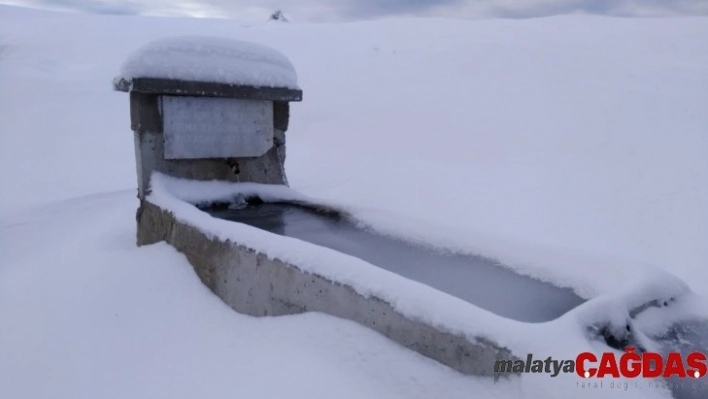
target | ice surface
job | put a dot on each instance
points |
(687, 337)
(478, 280)
(211, 59)
(681, 326)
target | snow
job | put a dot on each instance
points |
(503, 131)
(416, 300)
(571, 148)
(215, 191)
(210, 59)
(688, 308)
(91, 315)
(635, 282)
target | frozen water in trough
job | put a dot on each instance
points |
(475, 279)
(687, 337)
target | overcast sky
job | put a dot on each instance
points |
(347, 10)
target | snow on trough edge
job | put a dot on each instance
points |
(414, 299)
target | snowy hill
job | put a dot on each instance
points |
(573, 134)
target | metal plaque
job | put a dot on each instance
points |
(206, 127)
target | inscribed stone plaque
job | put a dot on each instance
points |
(205, 127)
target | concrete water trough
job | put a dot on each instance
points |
(216, 111)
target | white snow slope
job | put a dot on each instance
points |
(577, 134)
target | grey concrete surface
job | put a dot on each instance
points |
(206, 89)
(149, 148)
(251, 283)
(148, 128)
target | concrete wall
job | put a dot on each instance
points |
(147, 125)
(251, 283)
(149, 147)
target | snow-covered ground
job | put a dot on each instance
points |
(582, 135)
(86, 314)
